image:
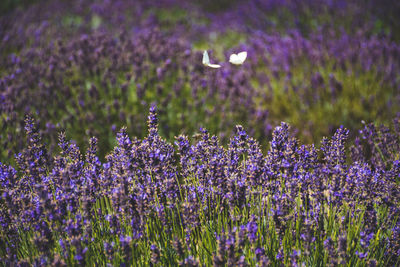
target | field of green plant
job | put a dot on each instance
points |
(121, 145)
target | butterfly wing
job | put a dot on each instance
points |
(242, 56)
(238, 59)
(215, 66)
(206, 59)
(233, 58)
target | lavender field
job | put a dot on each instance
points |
(121, 146)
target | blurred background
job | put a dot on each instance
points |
(90, 67)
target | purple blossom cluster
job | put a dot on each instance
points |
(203, 203)
(251, 196)
(82, 65)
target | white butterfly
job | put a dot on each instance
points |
(206, 61)
(239, 58)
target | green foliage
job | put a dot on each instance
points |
(202, 239)
(9, 5)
